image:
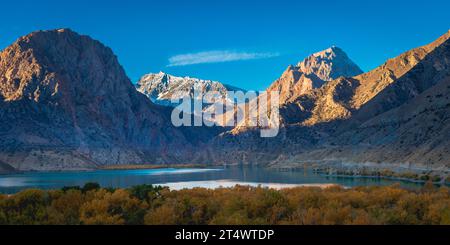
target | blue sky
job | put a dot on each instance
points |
(247, 44)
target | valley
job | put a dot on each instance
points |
(331, 112)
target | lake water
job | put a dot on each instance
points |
(183, 178)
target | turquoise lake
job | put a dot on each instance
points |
(184, 178)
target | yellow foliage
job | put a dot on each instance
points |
(230, 206)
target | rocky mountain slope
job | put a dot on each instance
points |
(66, 103)
(341, 98)
(379, 116)
(308, 75)
(313, 72)
(408, 121)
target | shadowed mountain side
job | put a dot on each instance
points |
(329, 123)
(6, 168)
(415, 133)
(409, 119)
(435, 67)
(340, 98)
(68, 104)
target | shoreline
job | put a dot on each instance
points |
(112, 167)
(387, 178)
(149, 166)
(371, 171)
(326, 169)
(220, 184)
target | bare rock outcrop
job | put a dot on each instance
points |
(313, 72)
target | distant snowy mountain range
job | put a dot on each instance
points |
(161, 87)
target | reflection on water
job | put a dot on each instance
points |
(214, 184)
(182, 178)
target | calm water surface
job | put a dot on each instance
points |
(183, 178)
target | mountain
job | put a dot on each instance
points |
(66, 103)
(417, 131)
(394, 114)
(161, 87)
(313, 72)
(6, 168)
(342, 98)
(407, 121)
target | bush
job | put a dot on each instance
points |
(148, 204)
(436, 178)
(90, 187)
(68, 188)
(145, 192)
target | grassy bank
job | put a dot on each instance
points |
(239, 205)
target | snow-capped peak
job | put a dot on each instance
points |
(162, 87)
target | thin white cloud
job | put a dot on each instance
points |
(217, 56)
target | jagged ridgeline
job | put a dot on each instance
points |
(66, 103)
(161, 87)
